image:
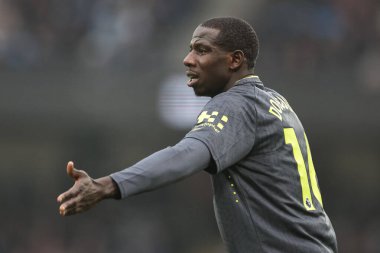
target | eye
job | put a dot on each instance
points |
(201, 50)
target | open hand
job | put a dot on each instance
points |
(84, 194)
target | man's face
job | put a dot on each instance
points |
(206, 63)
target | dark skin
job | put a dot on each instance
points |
(211, 70)
(86, 192)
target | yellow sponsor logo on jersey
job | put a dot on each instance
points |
(213, 120)
(278, 105)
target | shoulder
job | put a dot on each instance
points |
(236, 104)
(242, 93)
(231, 101)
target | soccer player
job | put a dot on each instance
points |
(266, 193)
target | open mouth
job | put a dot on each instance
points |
(193, 78)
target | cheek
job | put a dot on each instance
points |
(214, 67)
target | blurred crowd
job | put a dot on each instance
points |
(307, 35)
(96, 33)
(332, 44)
(313, 37)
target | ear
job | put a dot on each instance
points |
(237, 60)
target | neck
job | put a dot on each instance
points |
(236, 77)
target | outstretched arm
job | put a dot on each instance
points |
(161, 168)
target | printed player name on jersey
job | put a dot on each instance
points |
(211, 120)
(278, 105)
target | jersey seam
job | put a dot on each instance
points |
(213, 155)
(255, 109)
(249, 213)
(257, 120)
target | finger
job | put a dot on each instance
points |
(71, 207)
(73, 192)
(62, 210)
(70, 169)
(67, 208)
(71, 211)
(74, 173)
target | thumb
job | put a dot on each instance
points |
(71, 171)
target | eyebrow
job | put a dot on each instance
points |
(199, 40)
(204, 36)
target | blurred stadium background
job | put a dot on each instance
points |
(87, 80)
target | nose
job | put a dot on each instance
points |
(189, 60)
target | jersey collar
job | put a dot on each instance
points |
(250, 78)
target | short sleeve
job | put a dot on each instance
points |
(227, 127)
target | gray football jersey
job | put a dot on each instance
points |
(266, 194)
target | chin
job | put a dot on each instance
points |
(201, 93)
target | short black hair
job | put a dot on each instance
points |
(235, 34)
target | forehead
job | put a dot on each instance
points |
(205, 34)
